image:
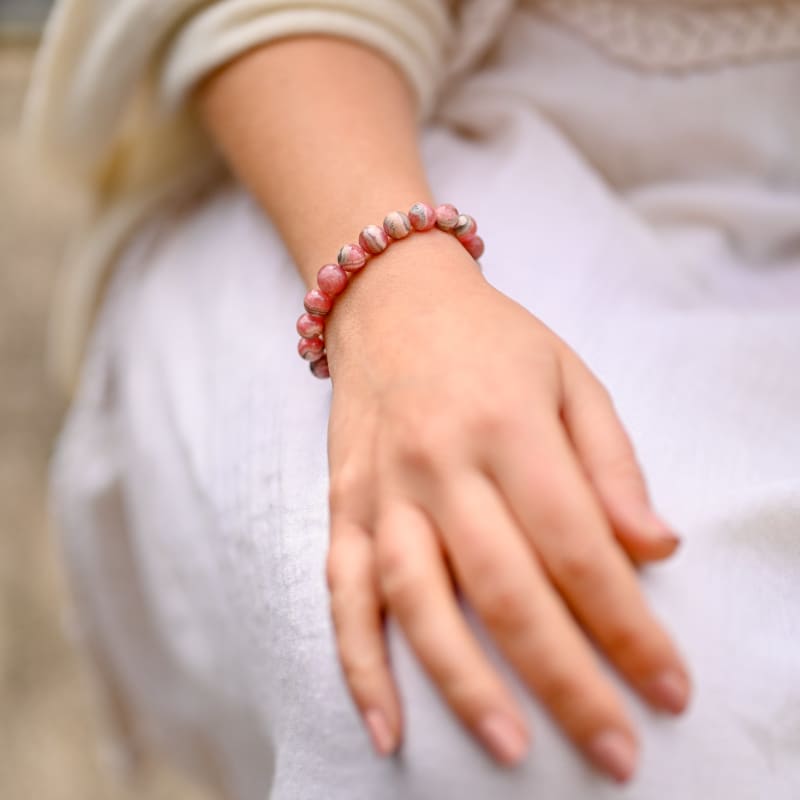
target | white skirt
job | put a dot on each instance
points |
(653, 221)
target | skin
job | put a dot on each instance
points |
(525, 498)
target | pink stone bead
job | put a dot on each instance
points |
(310, 325)
(311, 349)
(332, 279)
(317, 302)
(373, 239)
(466, 227)
(352, 257)
(474, 246)
(319, 368)
(397, 224)
(422, 216)
(446, 217)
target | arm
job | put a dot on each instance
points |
(424, 460)
(323, 132)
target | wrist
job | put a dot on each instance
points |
(398, 289)
(336, 223)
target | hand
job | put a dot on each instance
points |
(467, 442)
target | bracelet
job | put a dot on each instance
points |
(332, 279)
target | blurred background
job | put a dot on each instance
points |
(50, 740)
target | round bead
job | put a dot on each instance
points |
(352, 257)
(397, 224)
(310, 325)
(311, 349)
(465, 228)
(317, 302)
(422, 216)
(474, 246)
(319, 368)
(446, 217)
(373, 239)
(332, 279)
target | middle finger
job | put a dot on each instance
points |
(522, 611)
(548, 494)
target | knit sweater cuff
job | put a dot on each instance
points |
(413, 34)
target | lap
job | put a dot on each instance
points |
(215, 442)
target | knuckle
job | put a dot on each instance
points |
(423, 453)
(331, 574)
(426, 445)
(335, 566)
(345, 484)
(582, 703)
(578, 566)
(463, 692)
(361, 669)
(333, 571)
(488, 420)
(400, 579)
(626, 644)
(501, 605)
(391, 556)
(562, 691)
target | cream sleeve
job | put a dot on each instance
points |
(101, 57)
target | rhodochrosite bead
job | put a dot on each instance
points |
(310, 325)
(310, 349)
(474, 246)
(352, 257)
(332, 279)
(446, 217)
(319, 368)
(397, 224)
(465, 228)
(373, 239)
(422, 216)
(317, 302)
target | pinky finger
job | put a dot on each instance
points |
(358, 624)
(608, 458)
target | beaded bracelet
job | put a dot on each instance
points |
(332, 279)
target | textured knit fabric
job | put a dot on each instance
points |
(683, 34)
(661, 219)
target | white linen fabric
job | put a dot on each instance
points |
(652, 218)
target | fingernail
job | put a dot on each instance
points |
(660, 529)
(503, 737)
(662, 532)
(613, 753)
(669, 690)
(382, 737)
(671, 540)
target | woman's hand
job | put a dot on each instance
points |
(464, 435)
(468, 443)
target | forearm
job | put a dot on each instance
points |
(323, 133)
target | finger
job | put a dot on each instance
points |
(419, 593)
(360, 640)
(548, 493)
(607, 456)
(499, 575)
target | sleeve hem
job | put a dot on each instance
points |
(220, 35)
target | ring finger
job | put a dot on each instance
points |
(417, 587)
